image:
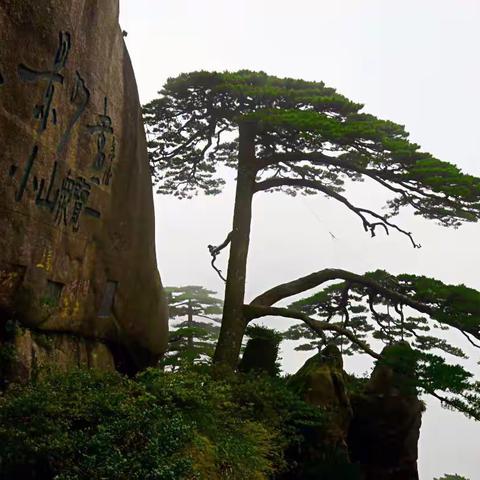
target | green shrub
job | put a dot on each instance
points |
(237, 447)
(89, 425)
(164, 426)
(261, 351)
(249, 420)
(272, 402)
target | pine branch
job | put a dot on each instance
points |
(315, 279)
(256, 311)
(413, 192)
(368, 225)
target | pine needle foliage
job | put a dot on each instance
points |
(309, 139)
(373, 314)
(193, 338)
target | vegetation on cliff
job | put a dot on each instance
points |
(209, 422)
(451, 477)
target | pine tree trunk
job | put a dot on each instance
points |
(233, 321)
(189, 325)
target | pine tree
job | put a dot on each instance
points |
(192, 339)
(303, 137)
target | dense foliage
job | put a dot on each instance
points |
(162, 426)
(451, 477)
(261, 351)
(89, 425)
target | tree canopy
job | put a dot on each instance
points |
(308, 138)
(451, 477)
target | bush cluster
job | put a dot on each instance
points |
(190, 424)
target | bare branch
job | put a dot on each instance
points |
(467, 336)
(377, 316)
(315, 279)
(295, 157)
(215, 251)
(216, 320)
(368, 225)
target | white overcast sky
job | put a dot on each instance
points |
(416, 62)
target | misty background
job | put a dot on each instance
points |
(415, 63)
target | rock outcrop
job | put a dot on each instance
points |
(385, 429)
(35, 350)
(321, 382)
(77, 253)
(371, 431)
(261, 352)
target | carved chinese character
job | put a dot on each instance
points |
(79, 97)
(65, 197)
(47, 196)
(107, 175)
(72, 202)
(81, 192)
(45, 110)
(64, 200)
(102, 130)
(27, 171)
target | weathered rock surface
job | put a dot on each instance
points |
(321, 382)
(385, 428)
(34, 351)
(369, 435)
(77, 249)
(260, 355)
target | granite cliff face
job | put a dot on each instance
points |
(77, 252)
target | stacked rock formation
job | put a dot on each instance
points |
(321, 382)
(371, 434)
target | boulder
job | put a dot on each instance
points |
(261, 351)
(384, 432)
(37, 351)
(77, 251)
